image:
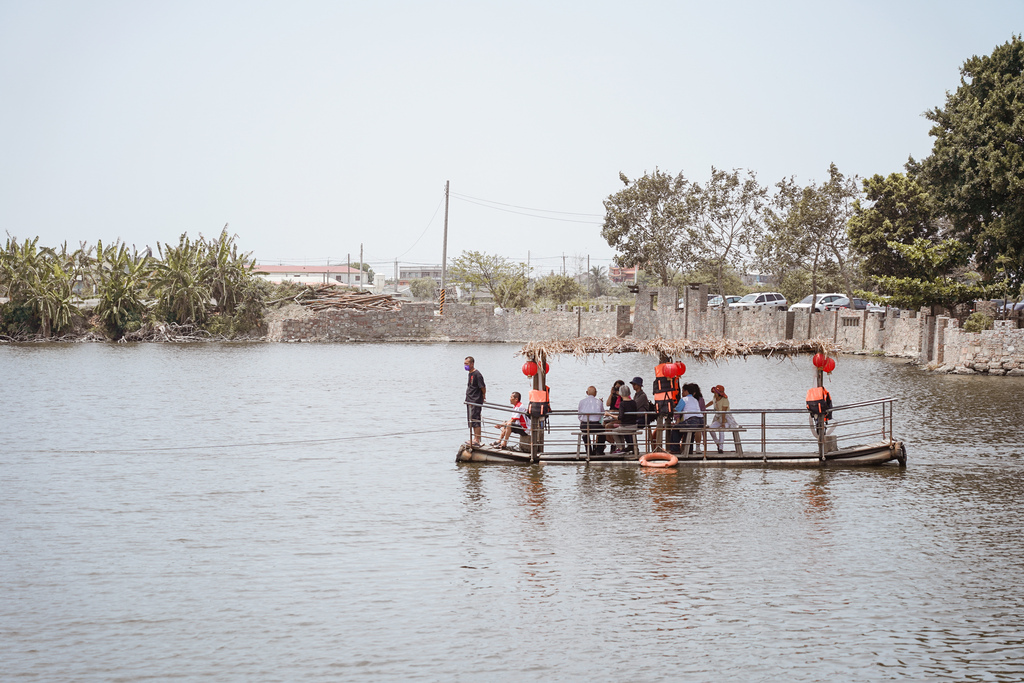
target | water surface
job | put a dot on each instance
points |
(294, 512)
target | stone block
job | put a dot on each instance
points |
(963, 371)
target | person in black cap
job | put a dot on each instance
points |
(643, 404)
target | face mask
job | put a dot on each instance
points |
(467, 368)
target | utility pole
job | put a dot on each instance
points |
(348, 267)
(590, 277)
(360, 266)
(396, 276)
(563, 264)
(444, 250)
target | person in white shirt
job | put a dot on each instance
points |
(517, 424)
(590, 413)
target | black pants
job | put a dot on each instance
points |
(596, 430)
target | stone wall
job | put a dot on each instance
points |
(993, 352)
(896, 333)
(460, 322)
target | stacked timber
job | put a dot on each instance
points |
(324, 297)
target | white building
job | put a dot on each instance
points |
(315, 275)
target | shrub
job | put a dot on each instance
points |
(977, 322)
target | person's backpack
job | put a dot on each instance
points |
(819, 402)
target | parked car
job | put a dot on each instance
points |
(843, 302)
(769, 300)
(716, 300)
(1011, 306)
(823, 299)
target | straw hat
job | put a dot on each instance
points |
(720, 390)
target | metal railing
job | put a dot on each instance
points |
(765, 430)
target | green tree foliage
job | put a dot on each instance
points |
(558, 288)
(598, 283)
(182, 278)
(645, 223)
(40, 281)
(423, 288)
(123, 277)
(807, 229)
(931, 284)
(505, 280)
(900, 210)
(976, 168)
(726, 223)
(365, 268)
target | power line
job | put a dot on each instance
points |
(531, 215)
(526, 208)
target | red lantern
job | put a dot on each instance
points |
(829, 365)
(529, 368)
(546, 368)
(671, 370)
(818, 360)
(681, 367)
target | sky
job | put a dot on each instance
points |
(311, 128)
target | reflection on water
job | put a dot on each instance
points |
(145, 537)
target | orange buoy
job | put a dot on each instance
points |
(658, 460)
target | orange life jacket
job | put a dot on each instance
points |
(540, 403)
(665, 390)
(819, 402)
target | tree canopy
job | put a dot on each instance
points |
(645, 222)
(504, 279)
(976, 167)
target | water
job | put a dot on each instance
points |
(263, 512)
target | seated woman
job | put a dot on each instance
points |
(610, 420)
(689, 415)
(517, 424)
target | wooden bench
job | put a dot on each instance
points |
(618, 431)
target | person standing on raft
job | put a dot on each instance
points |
(722, 417)
(476, 394)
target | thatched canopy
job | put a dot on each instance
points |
(704, 349)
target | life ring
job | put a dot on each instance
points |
(658, 460)
(830, 427)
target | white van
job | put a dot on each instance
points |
(770, 300)
(823, 300)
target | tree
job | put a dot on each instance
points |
(645, 223)
(505, 280)
(598, 283)
(423, 287)
(182, 278)
(558, 288)
(122, 283)
(726, 224)
(976, 167)
(807, 229)
(364, 268)
(901, 210)
(930, 283)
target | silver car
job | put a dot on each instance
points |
(823, 300)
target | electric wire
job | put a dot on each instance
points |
(431, 222)
(531, 215)
(526, 208)
(293, 442)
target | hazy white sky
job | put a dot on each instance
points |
(313, 126)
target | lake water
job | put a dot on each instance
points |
(294, 512)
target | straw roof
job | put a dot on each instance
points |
(702, 350)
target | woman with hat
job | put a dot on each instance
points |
(721, 417)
